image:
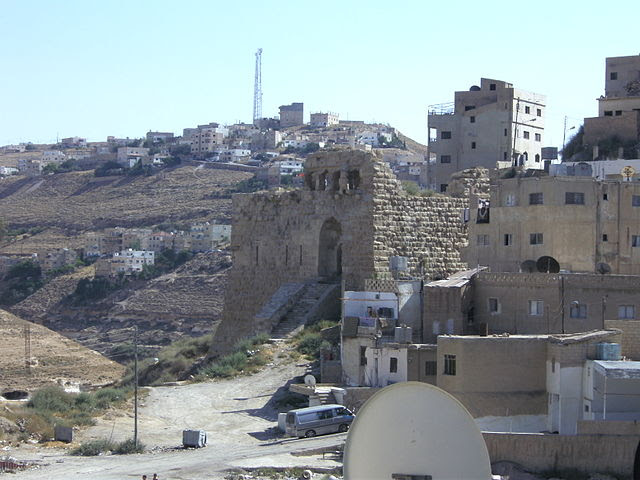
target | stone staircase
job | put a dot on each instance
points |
(309, 306)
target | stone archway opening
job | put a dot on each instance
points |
(330, 249)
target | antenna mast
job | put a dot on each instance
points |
(257, 88)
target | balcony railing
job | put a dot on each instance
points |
(442, 108)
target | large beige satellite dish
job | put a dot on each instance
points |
(413, 430)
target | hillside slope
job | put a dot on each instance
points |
(80, 201)
(54, 359)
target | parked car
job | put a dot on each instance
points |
(312, 421)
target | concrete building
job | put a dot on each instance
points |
(324, 119)
(7, 171)
(73, 142)
(206, 237)
(130, 156)
(485, 302)
(160, 137)
(206, 139)
(291, 115)
(131, 261)
(30, 167)
(53, 156)
(518, 229)
(492, 123)
(58, 258)
(619, 108)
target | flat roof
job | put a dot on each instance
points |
(458, 279)
(618, 369)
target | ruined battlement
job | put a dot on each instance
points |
(350, 217)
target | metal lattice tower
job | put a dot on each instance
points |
(257, 88)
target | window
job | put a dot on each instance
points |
(538, 137)
(494, 305)
(537, 158)
(504, 156)
(578, 311)
(482, 240)
(618, 113)
(443, 187)
(473, 145)
(508, 239)
(574, 198)
(472, 119)
(363, 356)
(393, 365)
(525, 134)
(430, 368)
(605, 237)
(605, 197)
(510, 200)
(635, 200)
(538, 112)
(527, 109)
(505, 132)
(535, 239)
(492, 86)
(469, 107)
(445, 158)
(445, 135)
(613, 75)
(635, 240)
(536, 198)
(536, 307)
(449, 365)
(626, 312)
(608, 113)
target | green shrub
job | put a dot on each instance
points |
(309, 344)
(127, 447)
(93, 448)
(51, 399)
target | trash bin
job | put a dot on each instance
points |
(194, 438)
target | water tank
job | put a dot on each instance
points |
(403, 334)
(608, 351)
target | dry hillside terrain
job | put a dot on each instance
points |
(81, 201)
(187, 301)
(54, 359)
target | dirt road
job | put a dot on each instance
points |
(238, 415)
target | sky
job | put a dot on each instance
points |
(96, 68)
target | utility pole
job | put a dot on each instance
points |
(27, 348)
(257, 88)
(564, 136)
(135, 387)
(515, 134)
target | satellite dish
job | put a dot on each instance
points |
(628, 172)
(310, 380)
(547, 264)
(528, 266)
(413, 428)
(603, 268)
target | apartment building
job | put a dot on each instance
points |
(158, 137)
(619, 108)
(29, 167)
(206, 139)
(553, 224)
(53, 156)
(490, 123)
(74, 142)
(130, 156)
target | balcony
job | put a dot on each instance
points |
(442, 109)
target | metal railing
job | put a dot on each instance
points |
(442, 108)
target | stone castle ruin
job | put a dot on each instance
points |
(347, 222)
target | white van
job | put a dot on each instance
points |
(312, 421)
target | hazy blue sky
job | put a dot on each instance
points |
(98, 68)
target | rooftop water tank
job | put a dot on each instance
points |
(608, 351)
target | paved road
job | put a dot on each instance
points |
(239, 416)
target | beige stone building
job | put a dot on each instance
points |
(574, 224)
(291, 115)
(619, 108)
(58, 258)
(490, 123)
(324, 119)
(349, 220)
(207, 139)
(530, 303)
